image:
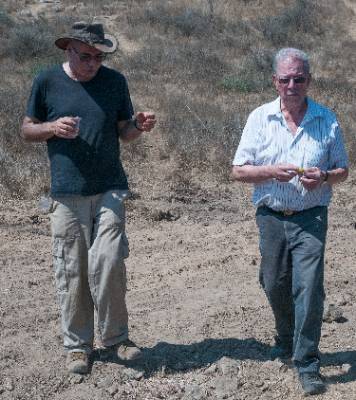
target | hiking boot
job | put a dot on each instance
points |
(312, 383)
(77, 362)
(128, 351)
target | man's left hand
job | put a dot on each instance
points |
(312, 178)
(145, 121)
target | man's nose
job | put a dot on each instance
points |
(291, 83)
(92, 62)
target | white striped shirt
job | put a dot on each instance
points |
(267, 140)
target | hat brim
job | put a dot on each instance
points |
(109, 45)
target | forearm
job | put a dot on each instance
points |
(128, 131)
(252, 173)
(337, 175)
(37, 131)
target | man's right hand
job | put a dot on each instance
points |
(284, 172)
(65, 127)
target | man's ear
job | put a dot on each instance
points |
(274, 80)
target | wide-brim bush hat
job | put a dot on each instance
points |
(92, 34)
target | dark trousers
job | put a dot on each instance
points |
(292, 274)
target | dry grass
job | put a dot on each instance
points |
(202, 65)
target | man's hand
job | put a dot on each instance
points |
(312, 178)
(145, 121)
(66, 127)
(284, 172)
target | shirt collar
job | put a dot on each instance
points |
(313, 111)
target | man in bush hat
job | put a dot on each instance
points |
(81, 109)
(292, 151)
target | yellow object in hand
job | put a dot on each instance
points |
(300, 171)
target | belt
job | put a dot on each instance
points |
(284, 213)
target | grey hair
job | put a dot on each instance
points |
(290, 52)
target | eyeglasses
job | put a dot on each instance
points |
(296, 79)
(85, 57)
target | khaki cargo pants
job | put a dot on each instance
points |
(89, 248)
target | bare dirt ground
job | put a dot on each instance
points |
(194, 301)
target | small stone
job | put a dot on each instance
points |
(226, 387)
(113, 389)
(346, 368)
(8, 385)
(211, 370)
(164, 215)
(272, 366)
(342, 301)
(76, 379)
(133, 374)
(284, 368)
(228, 366)
(104, 383)
(139, 375)
(194, 392)
(333, 313)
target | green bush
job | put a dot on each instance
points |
(238, 83)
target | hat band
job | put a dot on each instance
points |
(89, 37)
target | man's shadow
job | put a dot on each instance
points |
(173, 358)
(338, 359)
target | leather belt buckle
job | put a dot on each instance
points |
(288, 213)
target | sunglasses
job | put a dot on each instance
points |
(85, 57)
(296, 79)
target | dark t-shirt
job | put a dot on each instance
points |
(89, 164)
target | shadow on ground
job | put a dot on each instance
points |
(184, 357)
(338, 359)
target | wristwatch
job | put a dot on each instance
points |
(325, 175)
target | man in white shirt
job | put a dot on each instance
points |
(292, 151)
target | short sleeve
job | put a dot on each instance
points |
(247, 148)
(337, 155)
(36, 103)
(126, 110)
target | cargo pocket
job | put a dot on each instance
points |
(59, 264)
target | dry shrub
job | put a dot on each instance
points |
(5, 20)
(288, 27)
(30, 40)
(202, 134)
(24, 166)
(27, 48)
(186, 21)
(206, 65)
(254, 75)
